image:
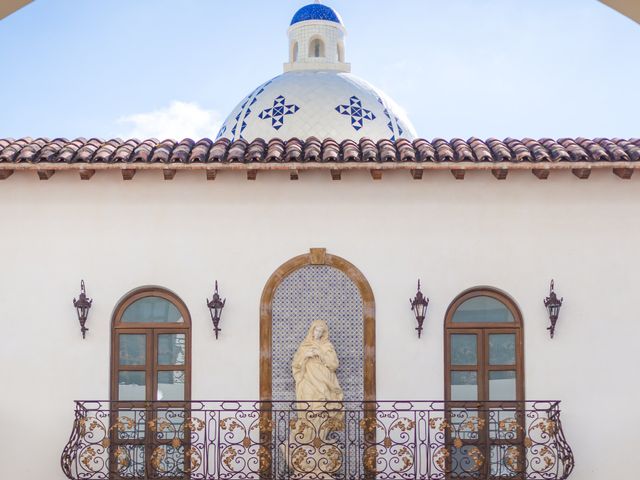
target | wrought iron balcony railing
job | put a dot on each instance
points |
(245, 440)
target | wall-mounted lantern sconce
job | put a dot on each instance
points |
(216, 304)
(82, 304)
(419, 306)
(553, 305)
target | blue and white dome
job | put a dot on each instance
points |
(317, 96)
(316, 11)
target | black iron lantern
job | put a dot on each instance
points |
(419, 307)
(553, 305)
(82, 304)
(216, 304)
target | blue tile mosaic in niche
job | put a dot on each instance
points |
(318, 292)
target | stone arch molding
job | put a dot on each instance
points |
(317, 256)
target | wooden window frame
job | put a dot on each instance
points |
(152, 330)
(482, 330)
(151, 407)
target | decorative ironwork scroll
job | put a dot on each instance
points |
(401, 440)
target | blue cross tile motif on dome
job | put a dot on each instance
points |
(240, 124)
(356, 112)
(277, 113)
(391, 123)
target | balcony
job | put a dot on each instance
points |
(245, 440)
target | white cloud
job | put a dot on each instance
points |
(177, 121)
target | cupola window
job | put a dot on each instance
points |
(316, 49)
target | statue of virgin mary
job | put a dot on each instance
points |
(311, 450)
(314, 367)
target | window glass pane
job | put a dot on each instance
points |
(502, 385)
(464, 349)
(464, 385)
(131, 386)
(152, 310)
(133, 349)
(171, 385)
(171, 348)
(482, 310)
(502, 349)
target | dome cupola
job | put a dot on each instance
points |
(316, 40)
(317, 95)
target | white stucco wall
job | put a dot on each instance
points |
(184, 234)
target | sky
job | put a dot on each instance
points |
(460, 68)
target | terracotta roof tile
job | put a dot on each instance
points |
(276, 150)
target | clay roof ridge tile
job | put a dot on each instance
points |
(312, 149)
(444, 151)
(426, 152)
(236, 151)
(369, 150)
(387, 151)
(219, 151)
(557, 152)
(293, 149)
(481, 151)
(350, 151)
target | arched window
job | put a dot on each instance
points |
(294, 52)
(484, 383)
(316, 48)
(150, 382)
(483, 348)
(151, 347)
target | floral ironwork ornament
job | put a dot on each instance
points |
(553, 304)
(82, 305)
(216, 304)
(419, 307)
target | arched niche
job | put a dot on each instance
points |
(316, 48)
(318, 257)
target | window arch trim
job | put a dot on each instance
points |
(484, 291)
(150, 291)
